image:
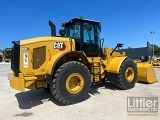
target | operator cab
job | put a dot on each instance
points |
(86, 35)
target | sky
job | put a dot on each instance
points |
(123, 21)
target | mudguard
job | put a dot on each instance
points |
(114, 65)
(54, 61)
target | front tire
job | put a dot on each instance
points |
(127, 76)
(71, 83)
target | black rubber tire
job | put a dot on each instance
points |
(47, 88)
(122, 82)
(59, 90)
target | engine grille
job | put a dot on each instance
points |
(39, 57)
(15, 55)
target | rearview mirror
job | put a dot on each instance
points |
(120, 45)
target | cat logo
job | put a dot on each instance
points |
(59, 45)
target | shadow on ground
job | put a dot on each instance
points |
(105, 85)
(33, 98)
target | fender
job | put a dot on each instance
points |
(56, 58)
(114, 65)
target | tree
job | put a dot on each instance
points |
(156, 49)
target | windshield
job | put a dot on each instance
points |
(84, 32)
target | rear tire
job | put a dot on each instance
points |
(47, 88)
(127, 76)
(71, 83)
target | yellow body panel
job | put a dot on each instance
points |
(50, 52)
(35, 78)
(41, 40)
(16, 82)
(114, 65)
(113, 61)
(21, 82)
(52, 61)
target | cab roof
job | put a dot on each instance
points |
(75, 20)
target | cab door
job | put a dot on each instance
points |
(90, 45)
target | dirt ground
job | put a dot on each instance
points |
(106, 102)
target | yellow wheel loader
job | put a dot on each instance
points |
(69, 63)
(7, 54)
(156, 62)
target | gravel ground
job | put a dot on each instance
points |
(105, 102)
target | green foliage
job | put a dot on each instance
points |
(156, 49)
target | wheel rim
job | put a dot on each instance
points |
(74, 83)
(129, 73)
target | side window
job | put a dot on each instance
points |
(77, 31)
(73, 31)
(97, 35)
(88, 32)
(70, 31)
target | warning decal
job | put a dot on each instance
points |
(25, 60)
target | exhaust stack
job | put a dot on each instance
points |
(53, 28)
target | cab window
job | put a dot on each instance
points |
(77, 31)
(73, 31)
(88, 32)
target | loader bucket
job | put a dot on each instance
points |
(146, 72)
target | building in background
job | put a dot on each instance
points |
(158, 54)
(137, 53)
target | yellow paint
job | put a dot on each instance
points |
(52, 61)
(114, 65)
(34, 75)
(16, 83)
(129, 74)
(21, 82)
(31, 78)
(28, 84)
(42, 40)
(74, 83)
(34, 84)
(146, 72)
(94, 59)
(50, 53)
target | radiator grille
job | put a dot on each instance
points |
(39, 57)
(15, 56)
